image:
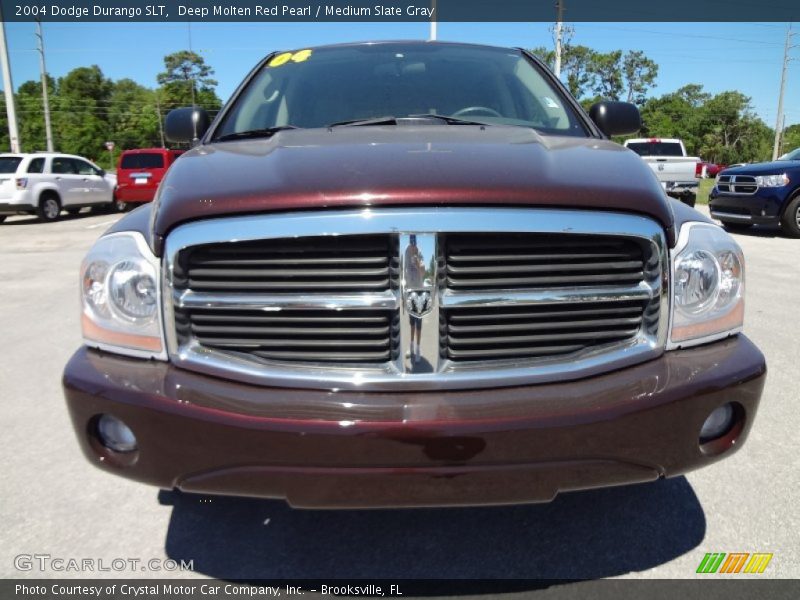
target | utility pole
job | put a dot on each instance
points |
(160, 125)
(45, 100)
(8, 87)
(434, 21)
(191, 78)
(779, 119)
(559, 34)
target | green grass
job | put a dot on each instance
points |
(703, 189)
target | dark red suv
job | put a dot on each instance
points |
(410, 274)
(140, 171)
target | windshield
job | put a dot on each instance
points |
(656, 148)
(793, 155)
(142, 160)
(9, 164)
(321, 87)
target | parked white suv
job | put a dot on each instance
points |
(45, 183)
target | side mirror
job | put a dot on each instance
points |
(101, 172)
(616, 118)
(186, 124)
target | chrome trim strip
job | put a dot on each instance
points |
(734, 193)
(732, 216)
(409, 220)
(456, 299)
(403, 222)
(268, 302)
(387, 378)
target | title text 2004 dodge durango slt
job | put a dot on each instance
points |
(410, 274)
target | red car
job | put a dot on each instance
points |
(410, 274)
(140, 171)
(707, 169)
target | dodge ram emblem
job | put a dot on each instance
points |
(418, 302)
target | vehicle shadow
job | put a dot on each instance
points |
(581, 535)
(34, 220)
(765, 231)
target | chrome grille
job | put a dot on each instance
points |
(538, 331)
(290, 265)
(534, 261)
(320, 336)
(737, 184)
(501, 297)
(281, 267)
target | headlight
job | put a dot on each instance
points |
(120, 297)
(772, 180)
(707, 286)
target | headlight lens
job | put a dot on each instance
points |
(133, 290)
(708, 285)
(772, 180)
(120, 297)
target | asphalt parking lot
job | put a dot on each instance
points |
(55, 503)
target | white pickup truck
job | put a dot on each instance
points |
(676, 171)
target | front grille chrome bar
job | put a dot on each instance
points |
(456, 299)
(268, 302)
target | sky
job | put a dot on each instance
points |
(746, 57)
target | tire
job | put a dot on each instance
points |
(730, 226)
(73, 211)
(118, 206)
(49, 208)
(689, 199)
(790, 220)
(3, 218)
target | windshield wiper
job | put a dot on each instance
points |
(393, 120)
(448, 120)
(365, 122)
(254, 133)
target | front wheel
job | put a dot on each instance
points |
(790, 221)
(49, 207)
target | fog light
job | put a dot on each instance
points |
(717, 423)
(115, 435)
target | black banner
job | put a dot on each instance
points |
(711, 588)
(398, 10)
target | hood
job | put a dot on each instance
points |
(434, 165)
(774, 167)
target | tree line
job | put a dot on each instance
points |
(721, 128)
(88, 109)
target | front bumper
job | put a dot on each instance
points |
(762, 208)
(358, 449)
(678, 188)
(20, 203)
